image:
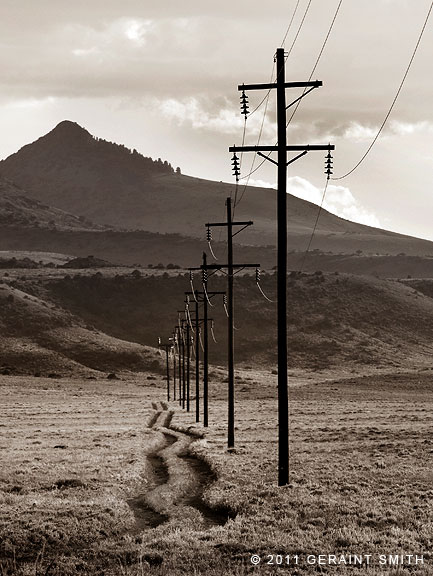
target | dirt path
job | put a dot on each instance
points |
(175, 479)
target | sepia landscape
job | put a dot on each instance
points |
(140, 296)
(103, 474)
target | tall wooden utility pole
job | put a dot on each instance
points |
(281, 148)
(230, 317)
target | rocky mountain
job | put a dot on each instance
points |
(105, 182)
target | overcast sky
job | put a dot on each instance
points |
(162, 77)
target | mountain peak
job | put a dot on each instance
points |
(68, 130)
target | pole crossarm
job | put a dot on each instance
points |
(243, 224)
(291, 148)
(247, 223)
(221, 266)
(313, 84)
(202, 294)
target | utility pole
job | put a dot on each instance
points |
(174, 364)
(206, 296)
(230, 321)
(230, 268)
(184, 329)
(179, 350)
(281, 148)
(197, 321)
(205, 353)
(197, 359)
(200, 298)
(167, 347)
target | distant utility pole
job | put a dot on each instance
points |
(198, 297)
(179, 352)
(174, 364)
(281, 148)
(184, 330)
(206, 297)
(230, 324)
(185, 327)
(167, 347)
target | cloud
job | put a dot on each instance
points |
(359, 132)
(339, 200)
(213, 115)
(259, 183)
(407, 128)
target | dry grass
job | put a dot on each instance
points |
(361, 480)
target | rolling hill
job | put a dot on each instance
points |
(41, 338)
(105, 182)
(109, 322)
(17, 209)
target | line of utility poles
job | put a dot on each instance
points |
(203, 297)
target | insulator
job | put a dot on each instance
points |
(209, 234)
(204, 276)
(244, 104)
(328, 165)
(257, 275)
(236, 169)
(224, 299)
(159, 341)
(191, 275)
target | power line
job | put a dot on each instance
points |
(394, 100)
(266, 98)
(252, 170)
(298, 31)
(318, 58)
(315, 226)
(290, 24)
(258, 142)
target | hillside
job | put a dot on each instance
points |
(17, 209)
(41, 338)
(111, 185)
(335, 320)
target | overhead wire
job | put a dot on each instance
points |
(299, 30)
(394, 99)
(266, 98)
(290, 24)
(282, 46)
(291, 118)
(317, 59)
(315, 226)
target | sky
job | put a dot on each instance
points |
(162, 77)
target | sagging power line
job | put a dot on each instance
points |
(382, 126)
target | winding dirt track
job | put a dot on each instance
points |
(175, 479)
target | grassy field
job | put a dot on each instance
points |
(74, 452)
